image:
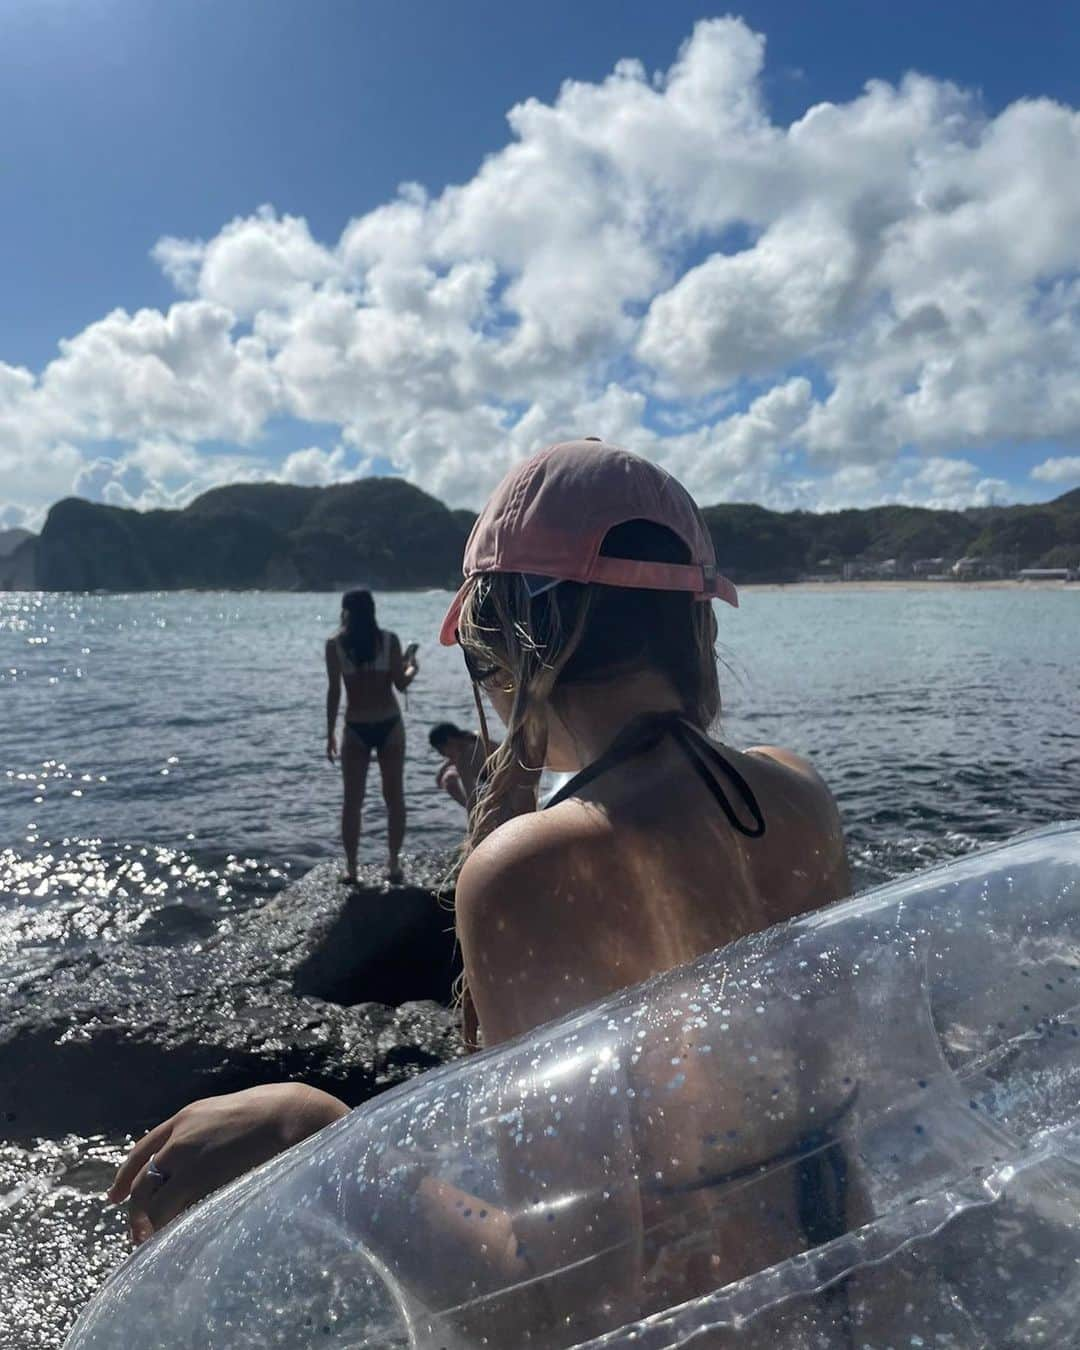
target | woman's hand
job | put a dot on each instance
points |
(210, 1143)
(331, 747)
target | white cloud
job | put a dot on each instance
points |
(754, 311)
(317, 468)
(1062, 469)
(258, 262)
(846, 308)
(950, 485)
(181, 373)
(155, 475)
(16, 517)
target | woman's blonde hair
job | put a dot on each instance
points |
(535, 646)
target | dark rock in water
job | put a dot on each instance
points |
(381, 949)
(306, 986)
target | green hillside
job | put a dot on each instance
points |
(378, 532)
(388, 534)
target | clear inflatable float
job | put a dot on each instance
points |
(860, 1129)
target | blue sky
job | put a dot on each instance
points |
(127, 123)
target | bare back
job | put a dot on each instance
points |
(640, 873)
(369, 687)
(637, 874)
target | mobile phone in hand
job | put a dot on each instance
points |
(409, 654)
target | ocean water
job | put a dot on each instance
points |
(163, 754)
(168, 749)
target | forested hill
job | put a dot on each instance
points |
(387, 534)
(753, 544)
(378, 532)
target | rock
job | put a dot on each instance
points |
(305, 986)
(408, 954)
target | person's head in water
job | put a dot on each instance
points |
(359, 631)
(588, 568)
(442, 734)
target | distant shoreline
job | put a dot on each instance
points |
(902, 584)
(910, 584)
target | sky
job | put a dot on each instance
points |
(810, 256)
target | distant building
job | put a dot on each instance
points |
(970, 569)
(1047, 574)
(927, 567)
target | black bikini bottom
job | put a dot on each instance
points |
(373, 735)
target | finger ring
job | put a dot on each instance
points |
(155, 1172)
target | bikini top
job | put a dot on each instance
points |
(379, 662)
(645, 733)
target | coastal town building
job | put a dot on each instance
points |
(1048, 574)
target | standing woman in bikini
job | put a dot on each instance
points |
(369, 661)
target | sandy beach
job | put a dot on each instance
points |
(913, 584)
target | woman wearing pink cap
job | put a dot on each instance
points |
(585, 620)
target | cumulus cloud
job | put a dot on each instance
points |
(313, 467)
(15, 517)
(1061, 469)
(950, 484)
(183, 372)
(261, 262)
(753, 312)
(841, 310)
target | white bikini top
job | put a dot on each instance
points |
(380, 661)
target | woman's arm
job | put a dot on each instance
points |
(451, 1241)
(402, 673)
(333, 697)
(211, 1142)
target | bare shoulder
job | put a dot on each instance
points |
(809, 803)
(528, 956)
(787, 758)
(799, 783)
(526, 863)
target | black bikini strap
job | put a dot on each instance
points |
(704, 756)
(646, 732)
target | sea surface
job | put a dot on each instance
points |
(170, 748)
(164, 752)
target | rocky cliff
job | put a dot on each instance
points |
(377, 532)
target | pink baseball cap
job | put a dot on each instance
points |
(548, 518)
